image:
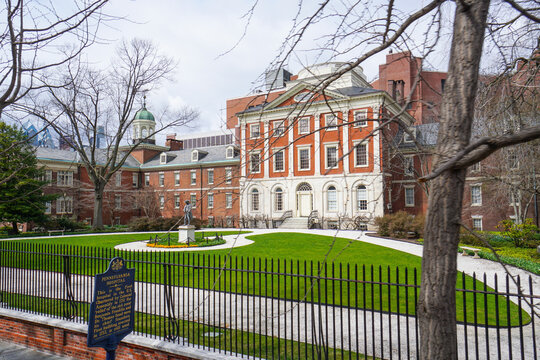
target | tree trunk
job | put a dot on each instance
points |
(15, 230)
(98, 206)
(437, 303)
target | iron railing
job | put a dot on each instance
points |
(272, 309)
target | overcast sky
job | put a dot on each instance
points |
(196, 33)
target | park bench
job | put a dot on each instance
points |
(56, 231)
(465, 248)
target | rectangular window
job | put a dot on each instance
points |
(475, 167)
(303, 156)
(161, 179)
(117, 202)
(210, 221)
(255, 162)
(177, 201)
(228, 175)
(211, 176)
(332, 199)
(161, 201)
(409, 196)
(331, 156)
(177, 178)
(303, 126)
(360, 117)
(193, 177)
(146, 179)
(279, 164)
(361, 197)
(230, 153)
(64, 205)
(330, 121)
(193, 200)
(476, 195)
(360, 155)
(228, 200)
(48, 176)
(254, 131)
(477, 223)
(118, 178)
(64, 178)
(48, 207)
(513, 161)
(408, 165)
(279, 128)
(135, 180)
(210, 200)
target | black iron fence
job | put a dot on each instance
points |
(273, 309)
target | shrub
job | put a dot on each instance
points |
(63, 223)
(522, 235)
(400, 224)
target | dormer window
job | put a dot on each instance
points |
(407, 138)
(194, 155)
(163, 159)
(230, 152)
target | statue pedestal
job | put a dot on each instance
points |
(186, 232)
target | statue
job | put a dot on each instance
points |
(187, 213)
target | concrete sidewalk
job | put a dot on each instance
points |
(12, 351)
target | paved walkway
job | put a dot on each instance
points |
(12, 351)
(288, 318)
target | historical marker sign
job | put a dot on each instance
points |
(112, 311)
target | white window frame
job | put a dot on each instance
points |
(163, 159)
(476, 167)
(210, 200)
(48, 207)
(331, 206)
(476, 218)
(408, 165)
(228, 200)
(176, 201)
(146, 179)
(255, 200)
(278, 199)
(359, 199)
(177, 178)
(229, 153)
(135, 179)
(195, 155)
(300, 149)
(407, 198)
(476, 199)
(193, 177)
(330, 127)
(64, 178)
(161, 179)
(326, 158)
(282, 152)
(356, 158)
(254, 131)
(252, 170)
(64, 205)
(117, 202)
(228, 175)
(304, 129)
(278, 127)
(118, 179)
(210, 176)
(360, 118)
(193, 200)
(161, 202)
(48, 177)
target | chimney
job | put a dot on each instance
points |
(174, 144)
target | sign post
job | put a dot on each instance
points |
(113, 309)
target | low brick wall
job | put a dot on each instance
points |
(65, 338)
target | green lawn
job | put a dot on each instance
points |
(300, 259)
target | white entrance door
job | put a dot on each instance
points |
(304, 204)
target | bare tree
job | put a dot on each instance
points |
(361, 27)
(94, 99)
(32, 32)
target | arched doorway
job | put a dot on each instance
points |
(304, 200)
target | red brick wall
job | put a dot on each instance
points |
(71, 343)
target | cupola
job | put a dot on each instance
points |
(144, 125)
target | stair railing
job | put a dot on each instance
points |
(313, 219)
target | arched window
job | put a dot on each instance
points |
(144, 133)
(278, 199)
(255, 200)
(135, 132)
(151, 131)
(304, 187)
(361, 198)
(332, 198)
